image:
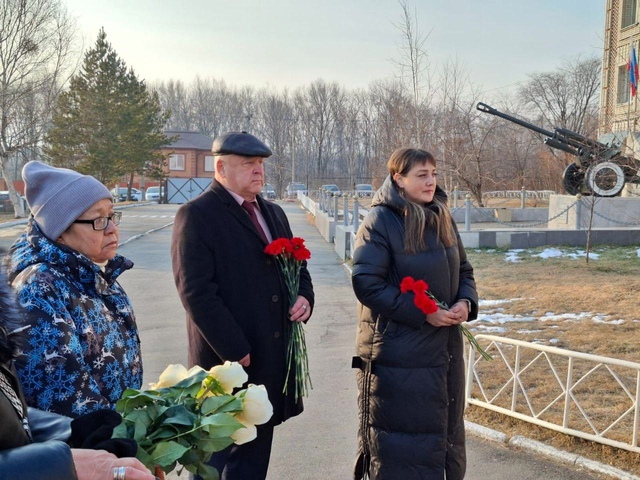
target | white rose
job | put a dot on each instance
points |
(244, 434)
(256, 407)
(171, 375)
(230, 375)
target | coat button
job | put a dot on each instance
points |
(274, 299)
(268, 262)
(276, 335)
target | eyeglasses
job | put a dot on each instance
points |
(101, 223)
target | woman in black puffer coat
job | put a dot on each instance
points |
(411, 366)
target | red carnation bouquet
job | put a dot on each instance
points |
(428, 303)
(290, 253)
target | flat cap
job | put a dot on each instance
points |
(239, 143)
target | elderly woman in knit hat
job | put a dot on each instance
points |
(82, 347)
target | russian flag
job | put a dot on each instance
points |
(632, 68)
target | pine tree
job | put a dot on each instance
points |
(107, 124)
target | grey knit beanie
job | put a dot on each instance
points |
(58, 196)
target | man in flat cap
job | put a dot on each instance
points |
(234, 294)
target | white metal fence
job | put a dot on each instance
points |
(588, 396)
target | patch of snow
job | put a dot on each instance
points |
(528, 332)
(488, 329)
(549, 253)
(489, 303)
(554, 341)
(500, 318)
(511, 256)
(619, 321)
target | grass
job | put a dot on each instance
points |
(607, 286)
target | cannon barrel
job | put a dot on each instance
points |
(553, 143)
(598, 168)
(561, 136)
(565, 132)
(483, 107)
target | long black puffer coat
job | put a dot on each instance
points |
(411, 374)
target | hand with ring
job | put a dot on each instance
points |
(300, 310)
(102, 465)
(119, 473)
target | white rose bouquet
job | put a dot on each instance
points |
(189, 414)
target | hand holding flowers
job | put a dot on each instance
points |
(189, 414)
(429, 304)
(290, 254)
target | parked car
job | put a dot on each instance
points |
(136, 195)
(294, 187)
(269, 192)
(5, 202)
(332, 189)
(364, 190)
(153, 194)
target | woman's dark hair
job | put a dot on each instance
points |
(416, 216)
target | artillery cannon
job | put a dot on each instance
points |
(599, 168)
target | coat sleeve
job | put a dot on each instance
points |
(51, 460)
(374, 282)
(53, 371)
(194, 274)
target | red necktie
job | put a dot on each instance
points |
(250, 207)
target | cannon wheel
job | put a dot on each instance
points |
(605, 179)
(572, 179)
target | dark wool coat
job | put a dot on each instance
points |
(233, 293)
(19, 458)
(82, 349)
(411, 376)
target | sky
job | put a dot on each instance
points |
(291, 43)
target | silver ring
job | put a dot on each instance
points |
(119, 473)
(304, 307)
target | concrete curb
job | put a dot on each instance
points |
(540, 448)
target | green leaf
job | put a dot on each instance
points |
(217, 404)
(144, 456)
(122, 431)
(220, 425)
(162, 433)
(207, 472)
(167, 453)
(141, 424)
(214, 444)
(196, 379)
(179, 415)
(154, 411)
(132, 399)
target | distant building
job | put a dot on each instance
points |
(619, 110)
(190, 165)
(189, 156)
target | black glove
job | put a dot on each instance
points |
(93, 431)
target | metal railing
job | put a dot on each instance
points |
(589, 396)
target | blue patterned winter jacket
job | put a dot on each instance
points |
(83, 347)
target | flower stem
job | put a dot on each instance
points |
(474, 343)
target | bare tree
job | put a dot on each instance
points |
(276, 122)
(36, 49)
(174, 97)
(567, 97)
(413, 66)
